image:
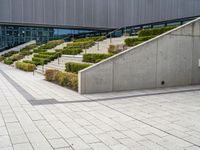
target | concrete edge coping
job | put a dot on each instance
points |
(139, 45)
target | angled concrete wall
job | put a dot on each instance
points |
(171, 58)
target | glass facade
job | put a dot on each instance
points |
(11, 36)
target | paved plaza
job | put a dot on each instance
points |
(38, 115)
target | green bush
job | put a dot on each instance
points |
(137, 40)
(2, 58)
(41, 55)
(71, 51)
(25, 66)
(51, 44)
(66, 79)
(16, 57)
(95, 38)
(44, 57)
(28, 61)
(50, 75)
(8, 61)
(75, 67)
(82, 45)
(155, 31)
(39, 61)
(52, 54)
(28, 48)
(94, 58)
(25, 53)
(39, 50)
(10, 53)
(48, 53)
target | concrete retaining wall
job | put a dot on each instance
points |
(171, 59)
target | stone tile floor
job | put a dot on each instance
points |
(35, 114)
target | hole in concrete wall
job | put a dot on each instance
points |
(162, 82)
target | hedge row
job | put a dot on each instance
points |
(95, 58)
(10, 53)
(39, 50)
(25, 66)
(70, 51)
(137, 40)
(51, 44)
(82, 45)
(28, 48)
(8, 61)
(45, 57)
(29, 62)
(75, 67)
(65, 79)
(94, 38)
(2, 58)
(155, 31)
(15, 57)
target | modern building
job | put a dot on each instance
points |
(43, 20)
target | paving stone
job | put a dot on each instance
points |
(155, 121)
(4, 141)
(58, 143)
(77, 143)
(21, 138)
(23, 146)
(89, 138)
(100, 146)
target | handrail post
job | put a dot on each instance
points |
(42, 66)
(58, 58)
(110, 38)
(98, 46)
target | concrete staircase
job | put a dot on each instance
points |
(59, 64)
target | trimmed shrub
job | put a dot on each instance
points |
(39, 50)
(95, 38)
(2, 58)
(66, 79)
(10, 53)
(41, 55)
(45, 57)
(137, 40)
(28, 48)
(8, 61)
(25, 53)
(71, 51)
(75, 67)
(52, 54)
(155, 31)
(16, 57)
(50, 74)
(94, 58)
(51, 44)
(82, 45)
(40, 61)
(25, 66)
(115, 49)
(29, 61)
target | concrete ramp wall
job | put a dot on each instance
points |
(171, 59)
